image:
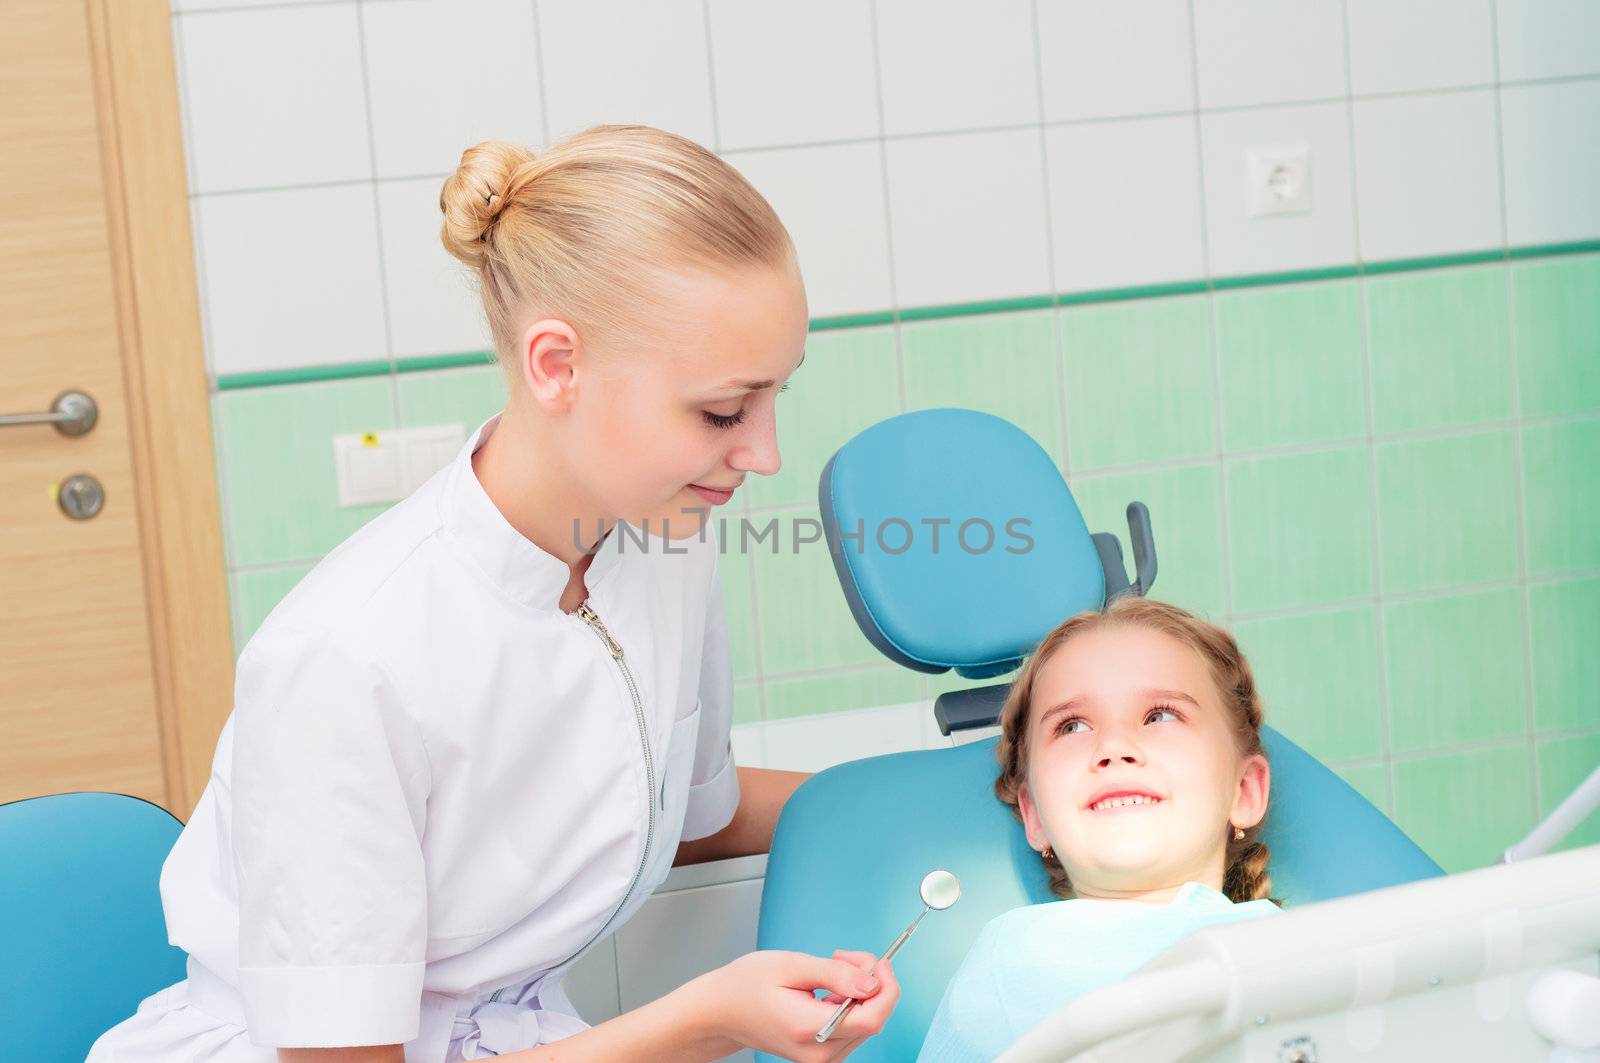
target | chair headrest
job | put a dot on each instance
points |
(956, 541)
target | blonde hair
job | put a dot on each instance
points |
(1245, 877)
(584, 229)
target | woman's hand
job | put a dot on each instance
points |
(764, 1000)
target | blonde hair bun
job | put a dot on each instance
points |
(473, 197)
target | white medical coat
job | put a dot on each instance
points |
(435, 785)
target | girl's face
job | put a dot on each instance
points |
(1134, 773)
(664, 432)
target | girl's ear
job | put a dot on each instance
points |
(1030, 818)
(1255, 785)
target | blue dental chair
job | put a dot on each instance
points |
(82, 936)
(950, 603)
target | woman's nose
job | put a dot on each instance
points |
(758, 451)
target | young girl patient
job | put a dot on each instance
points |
(1130, 748)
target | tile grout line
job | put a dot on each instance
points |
(1213, 338)
(1386, 709)
(544, 90)
(711, 77)
(377, 215)
(1059, 353)
(1519, 472)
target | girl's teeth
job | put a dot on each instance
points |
(1120, 802)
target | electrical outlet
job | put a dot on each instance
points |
(1278, 179)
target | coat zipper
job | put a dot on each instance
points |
(589, 616)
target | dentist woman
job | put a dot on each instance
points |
(478, 734)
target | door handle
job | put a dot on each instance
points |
(73, 413)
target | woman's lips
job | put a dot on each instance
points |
(711, 495)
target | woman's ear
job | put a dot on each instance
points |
(547, 360)
(1255, 785)
(1030, 818)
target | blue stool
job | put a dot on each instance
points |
(833, 882)
(84, 936)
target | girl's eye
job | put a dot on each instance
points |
(719, 420)
(1072, 725)
(1160, 711)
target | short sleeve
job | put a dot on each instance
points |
(714, 782)
(330, 784)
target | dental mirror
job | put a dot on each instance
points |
(940, 889)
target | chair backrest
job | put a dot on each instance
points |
(84, 937)
(1012, 544)
(834, 882)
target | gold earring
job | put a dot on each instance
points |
(1238, 834)
(1046, 853)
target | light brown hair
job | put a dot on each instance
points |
(583, 230)
(1245, 876)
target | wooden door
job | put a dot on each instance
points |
(115, 657)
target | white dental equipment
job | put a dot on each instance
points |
(1560, 823)
(1457, 967)
(939, 889)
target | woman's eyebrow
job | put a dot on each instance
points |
(757, 385)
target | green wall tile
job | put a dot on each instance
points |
(277, 450)
(1562, 486)
(1446, 511)
(1139, 383)
(746, 702)
(1318, 678)
(467, 397)
(890, 685)
(1184, 517)
(805, 623)
(1558, 335)
(1456, 669)
(1372, 782)
(1563, 764)
(1565, 626)
(1300, 529)
(1465, 809)
(849, 382)
(1441, 349)
(734, 568)
(1004, 364)
(1291, 365)
(256, 592)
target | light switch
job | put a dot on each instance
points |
(380, 467)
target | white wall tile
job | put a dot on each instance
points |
(1100, 60)
(440, 83)
(618, 62)
(207, 5)
(1405, 45)
(275, 97)
(789, 73)
(676, 936)
(1427, 175)
(1125, 203)
(291, 278)
(1266, 51)
(434, 306)
(1552, 153)
(831, 201)
(1548, 38)
(966, 217)
(948, 64)
(1324, 236)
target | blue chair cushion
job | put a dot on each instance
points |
(835, 882)
(1015, 549)
(81, 919)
